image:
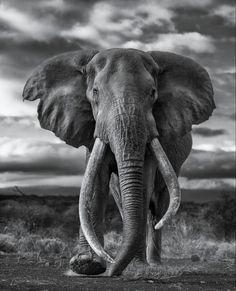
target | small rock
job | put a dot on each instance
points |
(195, 258)
(47, 264)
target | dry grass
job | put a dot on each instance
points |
(40, 230)
(183, 238)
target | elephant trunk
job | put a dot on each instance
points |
(131, 185)
(129, 146)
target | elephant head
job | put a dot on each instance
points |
(124, 99)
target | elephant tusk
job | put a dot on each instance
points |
(86, 193)
(170, 179)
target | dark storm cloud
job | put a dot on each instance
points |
(208, 132)
(47, 165)
(66, 25)
(202, 20)
(22, 57)
(35, 156)
(30, 32)
(208, 165)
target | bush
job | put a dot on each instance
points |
(40, 216)
(27, 244)
(70, 221)
(34, 215)
(35, 244)
(221, 216)
(7, 243)
(50, 227)
(50, 246)
(184, 237)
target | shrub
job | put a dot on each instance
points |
(34, 215)
(32, 227)
(70, 221)
(27, 244)
(7, 243)
(221, 216)
(50, 246)
(40, 216)
(35, 244)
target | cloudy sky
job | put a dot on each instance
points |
(31, 31)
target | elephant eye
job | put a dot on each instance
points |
(95, 95)
(95, 91)
(154, 94)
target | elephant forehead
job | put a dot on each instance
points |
(118, 58)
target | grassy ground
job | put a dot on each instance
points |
(46, 229)
(30, 274)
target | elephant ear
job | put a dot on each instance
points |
(61, 88)
(185, 94)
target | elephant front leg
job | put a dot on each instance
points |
(86, 261)
(158, 206)
(154, 238)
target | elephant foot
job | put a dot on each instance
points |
(87, 264)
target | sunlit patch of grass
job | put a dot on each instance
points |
(42, 246)
(226, 250)
(31, 245)
(7, 243)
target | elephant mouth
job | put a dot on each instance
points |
(86, 193)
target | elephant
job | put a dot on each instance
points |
(133, 111)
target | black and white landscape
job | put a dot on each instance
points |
(41, 176)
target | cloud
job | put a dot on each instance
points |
(31, 31)
(18, 59)
(208, 184)
(58, 5)
(208, 132)
(35, 156)
(227, 12)
(233, 116)
(209, 164)
(11, 103)
(109, 23)
(187, 3)
(25, 179)
(176, 42)
(24, 121)
(225, 112)
(226, 70)
(25, 24)
(226, 146)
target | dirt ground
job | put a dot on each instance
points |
(29, 274)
